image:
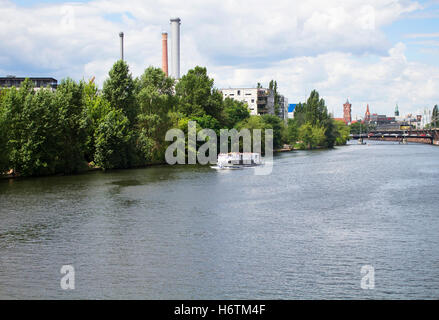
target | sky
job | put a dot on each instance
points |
(378, 52)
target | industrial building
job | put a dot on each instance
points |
(13, 81)
(260, 101)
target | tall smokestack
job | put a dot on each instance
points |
(175, 48)
(121, 45)
(165, 53)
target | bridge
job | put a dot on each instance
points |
(427, 136)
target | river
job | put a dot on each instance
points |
(190, 232)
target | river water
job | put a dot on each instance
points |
(190, 232)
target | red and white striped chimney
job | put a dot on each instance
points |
(165, 53)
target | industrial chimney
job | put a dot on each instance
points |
(165, 53)
(175, 48)
(121, 45)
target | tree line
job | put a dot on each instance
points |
(77, 126)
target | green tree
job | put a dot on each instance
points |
(343, 132)
(312, 136)
(155, 99)
(331, 132)
(112, 141)
(313, 111)
(255, 122)
(273, 86)
(119, 89)
(39, 150)
(359, 127)
(435, 117)
(274, 123)
(291, 132)
(4, 150)
(96, 108)
(197, 96)
(69, 100)
(15, 123)
(235, 112)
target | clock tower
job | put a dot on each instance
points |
(347, 115)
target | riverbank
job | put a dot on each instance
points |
(285, 149)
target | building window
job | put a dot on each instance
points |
(253, 100)
(239, 92)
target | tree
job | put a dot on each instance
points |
(119, 90)
(40, 152)
(197, 96)
(4, 150)
(112, 139)
(331, 132)
(96, 108)
(71, 112)
(155, 99)
(235, 112)
(274, 123)
(360, 127)
(313, 111)
(273, 86)
(312, 136)
(291, 132)
(435, 117)
(255, 122)
(343, 132)
(15, 123)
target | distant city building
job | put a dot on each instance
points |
(283, 108)
(367, 114)
(381, 119)
(12, 81)
(347, 112)
(291, 108)
(260, 101)
(396, 111)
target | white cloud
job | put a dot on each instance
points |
(336, 47)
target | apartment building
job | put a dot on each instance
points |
(13, 81)
(260, 101)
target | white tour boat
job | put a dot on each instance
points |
(237, 160)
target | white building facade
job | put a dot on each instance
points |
(260, 101)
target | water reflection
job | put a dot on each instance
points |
(188, 232)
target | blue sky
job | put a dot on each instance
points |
(377, 52)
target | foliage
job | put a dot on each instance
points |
(359, 127)
(198, 97)
(435, 117)
(291, 132)
(273, 86)
(4, 152)
(343, 131)
(49, 132)
(311, 136)
(112, 137)
(314, 114)
(118, 90)
(69, 101)
(275, 123)
(155, 99)
(235, 112)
